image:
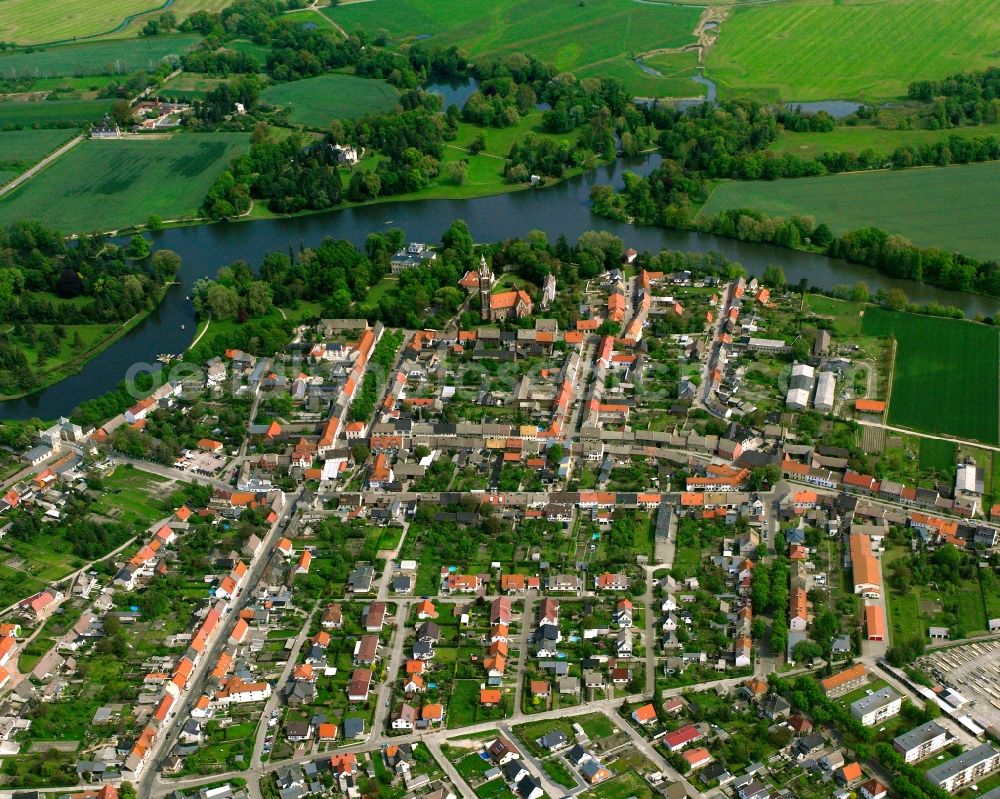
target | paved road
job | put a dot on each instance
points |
(274, 702)
(170, 729)
(394, 660)
(26, 176)
(649, 633)
(527, 623)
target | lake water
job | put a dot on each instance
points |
(838, 109)
(559, 209)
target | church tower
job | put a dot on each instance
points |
(485, 287)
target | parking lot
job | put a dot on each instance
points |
(205, 463)
(974, 671)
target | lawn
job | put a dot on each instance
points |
(854, 139)
(316, 102)
(945, 207)
(485, 170)
(464, 708)
(559, 772)
(936, 455)
(132, 494)
(624, 786)
(471, 766)
(124, 181)
(596, 37)
(843, 49)
(95, 58)
(846, 316)
(952, 361)
(53, 112)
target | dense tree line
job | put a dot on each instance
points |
(965, 98)
(220, 103)
(37, 263)
(220, 61)
(892, 255)
(381, 362)
(234, 294)
(289, 175)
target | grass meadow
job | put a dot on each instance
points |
(849, 49)
(596, 37)
(316, 102)
(946, 373)
(862, 137)
(484, 175)
(950, 207)
(126, 181)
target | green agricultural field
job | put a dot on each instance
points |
(96, 58)
(850, 49)
(29, 22)
(53, 113)
(22, 148)
(37, 21)
(316, 102)
(950, 207)
(596, 37)
(124, 181)
(863, 137)
(936, 455)
(945, 376)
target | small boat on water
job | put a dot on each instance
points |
(182, 327)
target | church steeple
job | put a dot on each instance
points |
(485, 287)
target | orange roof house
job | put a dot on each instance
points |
(327, 731)
(834, 682)
(426, 610)
(850, 772)
(489, 696)
(874, 623)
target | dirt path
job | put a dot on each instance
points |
(197, 338)
(315, 6)
(705, 37)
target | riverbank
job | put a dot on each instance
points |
(559, 209)
(66, 369)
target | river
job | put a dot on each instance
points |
(559, 209)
